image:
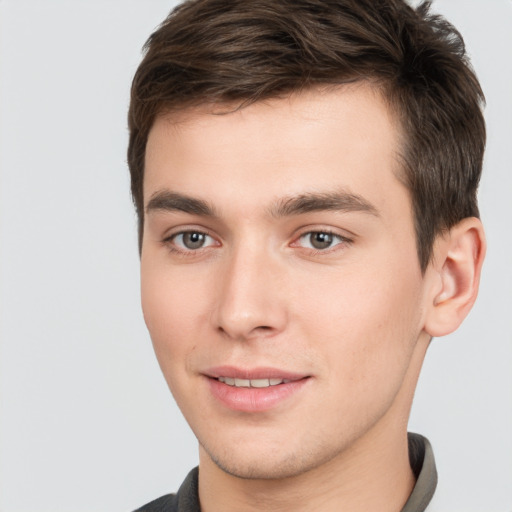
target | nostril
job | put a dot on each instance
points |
(261, 331)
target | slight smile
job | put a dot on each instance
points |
(254, 390)
(252, 383)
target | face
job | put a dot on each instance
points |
(280, 280)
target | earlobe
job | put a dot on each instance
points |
(457, 263)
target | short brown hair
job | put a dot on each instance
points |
(220, 51)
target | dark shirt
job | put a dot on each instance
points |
(421, 458)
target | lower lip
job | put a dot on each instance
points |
(254, 399)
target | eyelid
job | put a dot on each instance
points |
(168, 238)
(187, 249)
(344, 239)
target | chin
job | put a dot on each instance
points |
(261, 470)
(270, 464)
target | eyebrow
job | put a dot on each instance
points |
(341, 201)
(165, 200)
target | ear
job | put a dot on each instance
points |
(454, 276)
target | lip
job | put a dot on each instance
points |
(253, 373)
(250, 399)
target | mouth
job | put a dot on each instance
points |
(256, 390)
(260, 377)
(252, 383)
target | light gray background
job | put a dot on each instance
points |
(87, 423)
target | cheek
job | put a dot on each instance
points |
(173, 311)
(368, 339)
(367, 322)
(171, 314)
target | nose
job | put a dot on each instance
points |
(251, 301)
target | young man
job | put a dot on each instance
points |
(305, 176)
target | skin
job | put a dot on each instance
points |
(355, 318)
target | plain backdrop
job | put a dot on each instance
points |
(86, 421)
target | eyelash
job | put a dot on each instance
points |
(170, 244)
(343, 241)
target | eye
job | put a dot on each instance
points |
(320, 240)
(192, 240)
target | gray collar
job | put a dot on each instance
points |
(422, 462)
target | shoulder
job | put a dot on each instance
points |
(185, 500)
(167, 503)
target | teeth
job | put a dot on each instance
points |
(260, 383)
(252, 383)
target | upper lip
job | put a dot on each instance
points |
(253, 373)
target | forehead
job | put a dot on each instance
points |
(320, 139)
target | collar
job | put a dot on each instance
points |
(421, 458)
